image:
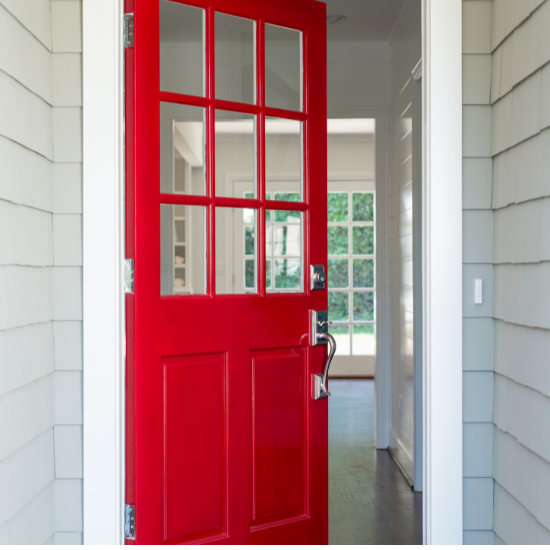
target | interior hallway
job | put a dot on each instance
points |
(370, 501)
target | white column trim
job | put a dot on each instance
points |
(103, 297)
(442, 262)
(382, 384)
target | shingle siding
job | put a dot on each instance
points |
(478, 252)
(41, 271)
(520, 147)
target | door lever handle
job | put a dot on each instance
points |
(321, 380)
(319, 336)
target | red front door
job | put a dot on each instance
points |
(225, 213)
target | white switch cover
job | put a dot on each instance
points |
(478, 299)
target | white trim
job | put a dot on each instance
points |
(442, 305)
(442, 312)
(103, 295)
(382, 383)
(418, 404)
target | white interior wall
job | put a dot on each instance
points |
(406, 51)
(520, 147)
(40, 273)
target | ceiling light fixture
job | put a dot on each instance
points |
(331, 19)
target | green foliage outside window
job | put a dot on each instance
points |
(338, 306)
(292, 197)
(337, 210)
(249, 240)
(363, 207)
(287, 274)
(338, 273)
(338, 240)
(363, 306)
(249, 274)
(363, 273)
(363, 240)
(287, 216)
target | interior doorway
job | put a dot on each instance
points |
(375, 410)
(370, 501)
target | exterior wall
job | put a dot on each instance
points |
(478, 326)
(406, 52)
(520, 98)
(40, 287)
(67, 243)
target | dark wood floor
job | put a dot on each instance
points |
(370, 501)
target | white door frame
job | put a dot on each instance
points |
(442, 267)
(103, 226)
(103, 291)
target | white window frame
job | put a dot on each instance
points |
(103, 226)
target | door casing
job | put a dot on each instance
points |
(103, 289)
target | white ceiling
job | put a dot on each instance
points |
(371, 20)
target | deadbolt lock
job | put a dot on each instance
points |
(318, 277)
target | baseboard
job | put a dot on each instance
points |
(402, 456)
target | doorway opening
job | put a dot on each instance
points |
(375, 271)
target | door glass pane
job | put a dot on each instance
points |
(182, 249)
(341, 335)
(182, 50)
(363, 240)
(268, 275)
(182, 149)
(283, 68)
(363, 340)
(283, 158)
(235, 154)
(363, 306)
(235, 250)
(337, 207)
(338, 274)
(235, 59)
(284, 251)
(363, 273)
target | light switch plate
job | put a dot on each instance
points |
(478, 293)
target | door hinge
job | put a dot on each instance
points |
(129, 276)
(129, 521)
(128, 30)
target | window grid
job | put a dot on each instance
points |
(349, 256)
(271, 223)
(259, 108)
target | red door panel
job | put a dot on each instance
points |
(224, 442)
(278, 442)
(194, 405)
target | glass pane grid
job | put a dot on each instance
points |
(283, 245)
(351, 264)
(185, 166)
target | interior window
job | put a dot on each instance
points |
(351, 263)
